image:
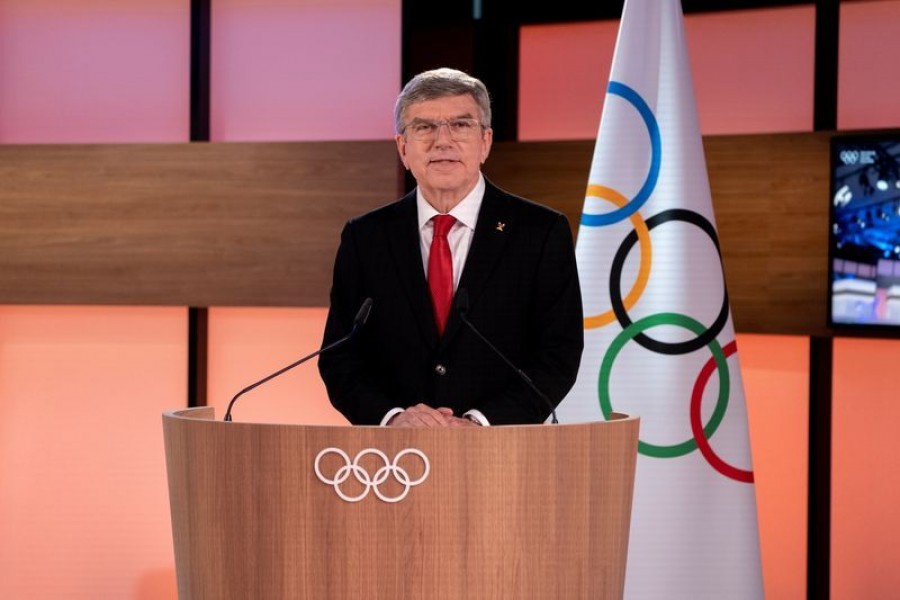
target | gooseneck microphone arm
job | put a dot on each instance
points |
(462, 306)
(361, 317)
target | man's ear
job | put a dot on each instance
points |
(488, 140)
(401, 149)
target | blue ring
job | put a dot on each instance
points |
(599, 220)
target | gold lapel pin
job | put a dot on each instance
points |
(500, 226)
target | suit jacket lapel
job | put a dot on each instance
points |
(403, 240)
(488, 245)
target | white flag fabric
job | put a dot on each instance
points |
(659, 338)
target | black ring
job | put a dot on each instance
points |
(615, 285)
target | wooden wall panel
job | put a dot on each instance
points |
(770, 195)
(257, 224)
(182, 224)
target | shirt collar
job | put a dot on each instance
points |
(466, 212)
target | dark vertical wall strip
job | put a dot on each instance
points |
(826, 65)
(200, 60)
(197, 355)
(818, 537)
(497, 65)
(201, 17)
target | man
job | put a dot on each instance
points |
(416, 363)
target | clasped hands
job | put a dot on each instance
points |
(422, 415)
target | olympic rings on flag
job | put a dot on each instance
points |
(643, 194)
(688, 446)
(629, 208)
(643, 234)
(620, 306)
(620, 309)
(370, 482)
(699, 433)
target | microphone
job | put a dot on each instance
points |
(361, 317)
(462, 307)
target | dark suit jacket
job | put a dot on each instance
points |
(524, 296)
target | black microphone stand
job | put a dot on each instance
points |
(361, 316)
(462, 305)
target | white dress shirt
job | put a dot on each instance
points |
(461, 233)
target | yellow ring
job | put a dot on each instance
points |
(605, 193)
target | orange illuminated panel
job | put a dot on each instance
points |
(248, 344)
(752, 71)
(84, 508)
(867, 87)
(563, 72)
(865, 466)
(94, 71)
(775, 370)
(305, 70)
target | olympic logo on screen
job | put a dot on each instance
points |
(369, 482)
(704, 336)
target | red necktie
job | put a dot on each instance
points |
(440, 270)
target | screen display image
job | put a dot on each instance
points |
(864, 254)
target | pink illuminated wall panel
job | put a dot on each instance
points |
(84, 508)
(94, 71)
(868, 87)
(753, 72)
(304, 69)
(247, 344)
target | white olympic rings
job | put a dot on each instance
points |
(369, 482)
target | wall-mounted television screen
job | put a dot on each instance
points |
(864, 249)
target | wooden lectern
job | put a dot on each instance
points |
(292, 511)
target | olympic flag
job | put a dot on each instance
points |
(659, 338)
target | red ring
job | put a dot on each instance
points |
(697, 426)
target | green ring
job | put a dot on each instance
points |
(627, 335)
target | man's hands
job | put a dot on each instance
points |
(422, 415)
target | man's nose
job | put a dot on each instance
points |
(443, 132)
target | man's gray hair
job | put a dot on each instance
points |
(440, 83)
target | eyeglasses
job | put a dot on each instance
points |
(461, 130)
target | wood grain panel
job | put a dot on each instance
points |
(770, 196)
(182, 224)
(496, 517)
(258, 224)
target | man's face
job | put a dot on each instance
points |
(446, 169)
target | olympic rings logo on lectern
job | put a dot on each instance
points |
(370, 482)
